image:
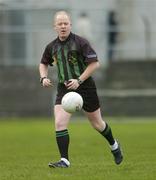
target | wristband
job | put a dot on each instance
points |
(79, 81)
(42, 78)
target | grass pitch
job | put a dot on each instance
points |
(27, 145)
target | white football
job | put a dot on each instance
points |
(72, 102)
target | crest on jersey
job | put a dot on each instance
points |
(73, 56)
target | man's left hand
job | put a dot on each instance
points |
(72, 84)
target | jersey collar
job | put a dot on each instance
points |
(68, 38)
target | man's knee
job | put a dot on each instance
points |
(60, 125)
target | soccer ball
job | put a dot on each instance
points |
(72, 102)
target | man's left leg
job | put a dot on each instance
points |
(105, 130)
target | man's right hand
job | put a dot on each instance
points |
(46, 82)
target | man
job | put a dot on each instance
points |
(76, 61)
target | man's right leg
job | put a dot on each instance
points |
(62, 137)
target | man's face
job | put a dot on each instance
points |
(62, 26)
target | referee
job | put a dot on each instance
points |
(76, 61)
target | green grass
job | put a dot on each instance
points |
(26, 147)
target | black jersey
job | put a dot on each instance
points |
(71, 56)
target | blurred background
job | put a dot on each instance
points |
(123, 33)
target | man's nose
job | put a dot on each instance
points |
(63, 25)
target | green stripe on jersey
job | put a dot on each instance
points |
(67, 62)
(60, 67)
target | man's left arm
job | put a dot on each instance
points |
(91, 68)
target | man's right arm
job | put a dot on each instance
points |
(45, 81)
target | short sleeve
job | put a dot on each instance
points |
(89, 53)
(47, 56)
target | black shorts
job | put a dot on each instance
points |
(88, 92)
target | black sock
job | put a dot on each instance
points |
(62, 138)
(107, 133)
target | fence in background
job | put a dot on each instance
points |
(26, 27)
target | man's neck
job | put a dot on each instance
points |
(63, 38)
